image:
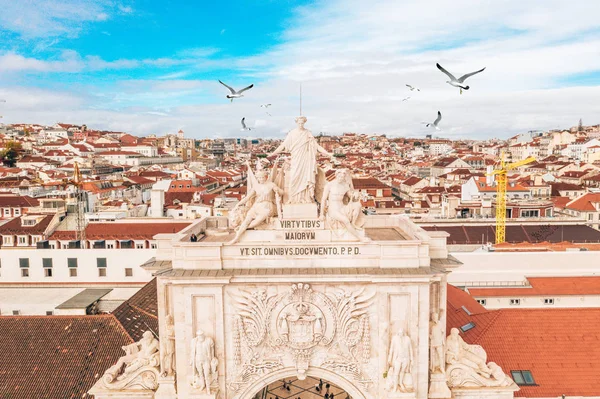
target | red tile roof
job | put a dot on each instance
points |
(140, 312)
(123, 231)
(545, 286)
(15, 227)
(52, 357)
(557, 345)
(585, 203)
(18, 200)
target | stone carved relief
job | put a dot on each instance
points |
(466, 365)
(138, 369)
(203, 361)
(400, 361)
(299, 324)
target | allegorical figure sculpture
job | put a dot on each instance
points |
(203, 361)
(137, 355)
(466, 365)
(302, 178)
(436, 342)
(259, 204)
(340, 204)
(168, 362)
(400, 360)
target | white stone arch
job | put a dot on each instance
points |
(328, 375)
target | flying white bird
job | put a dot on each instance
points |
(412, 88)
(265, 106)
(405, 99)
(435, 122)
(458, 82)
(244, 127)
(236, 94)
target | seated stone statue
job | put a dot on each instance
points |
(137, 355)
(341, 205)
(467, 367)
(259, 204)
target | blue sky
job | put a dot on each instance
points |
(149, 66)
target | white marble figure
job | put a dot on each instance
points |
(203, 361)
(168, 361)
(437, 356)
(259, 204)
(472, 356)
(137, 355)
(341, 205)
(400, 360)
(303, 147)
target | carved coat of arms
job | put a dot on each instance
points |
(299, 323)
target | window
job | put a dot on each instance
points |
(110, 246)
(515, 301)
(6, 211)
(101, 262)
(590, 216)
(128, 272)
(16, 312)
(153, 246)
(48, 272)
(17, 211)
(102, 272)
(522, 377)
(139, 246)
(49, 312)
(47, 262)
(73, 272)
(482, 302)
(530, 213)
(7, 240)
(548, 301)
(22, 239)
(24, 272)
(23, 262)
(72, 262)
(467, 327)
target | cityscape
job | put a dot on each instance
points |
(259, 236)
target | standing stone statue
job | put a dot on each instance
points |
(437, 356)
(400, 360)
(204, 363)
(303, 147)
(168, 363)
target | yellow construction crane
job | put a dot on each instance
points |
(501, 187)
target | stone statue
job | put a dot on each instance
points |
(400, 360)
(473, 356)
(436, 342)
(260, 203)
(340, 204)
(168, 361)
(204, 363)
(137, 355)
(303, 147)
(466, 365)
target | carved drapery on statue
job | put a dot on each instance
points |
(138, 369)
(270, 330)
(466, 365)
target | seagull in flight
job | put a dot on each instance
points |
(460, 81)
(244, 127)
(265, 106)
(236, 94)
(406, 99)
(435, 122)
(412, 88)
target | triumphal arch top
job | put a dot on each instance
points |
(298, 285)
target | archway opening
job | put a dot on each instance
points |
(309, 388)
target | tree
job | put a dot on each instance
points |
(580, 127)
(11, 152)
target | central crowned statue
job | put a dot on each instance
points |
(293, 190)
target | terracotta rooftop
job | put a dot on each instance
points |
(18, 200)
(122, 231)
(15, 227)
(545, 286)
(556, 345)
(51, 357)
(140, 312)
